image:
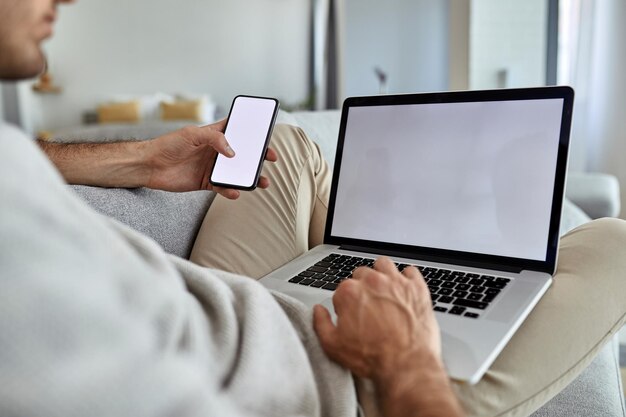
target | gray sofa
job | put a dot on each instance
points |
(173, 221)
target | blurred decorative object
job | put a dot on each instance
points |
(153, 108)
(502, 77)
(45, 83)
(208, 108)
(123, 112)
(150, 104)
(182, 110)
(90, 117)
(43, 135)
(382, 80)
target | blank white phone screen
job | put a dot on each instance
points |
(246, 132)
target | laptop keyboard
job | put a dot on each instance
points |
(453, 292)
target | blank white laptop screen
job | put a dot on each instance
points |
(472, 177)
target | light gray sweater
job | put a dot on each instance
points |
(95, 319)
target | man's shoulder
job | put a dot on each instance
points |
(22, 160)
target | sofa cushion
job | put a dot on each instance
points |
(597, 194)
(172, 219)
(597, 392)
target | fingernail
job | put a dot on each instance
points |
(229, 151)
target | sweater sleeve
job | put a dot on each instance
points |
(95, 319)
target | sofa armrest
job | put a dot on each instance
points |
(596, 194)
(171, 219)
(597, 392)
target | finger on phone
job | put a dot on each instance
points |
(264, 182)
(271, 155)
(229, 193)
(215, 139)
(219, 125)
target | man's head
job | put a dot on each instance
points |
(24, 24)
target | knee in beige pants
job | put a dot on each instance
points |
(265, 229)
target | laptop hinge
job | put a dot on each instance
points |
(437, 259)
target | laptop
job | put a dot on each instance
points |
(468, 187)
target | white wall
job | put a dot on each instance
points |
(224, 48)
(508, 35)
(607, 121)
(406, 38)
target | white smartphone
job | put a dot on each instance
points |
(248, 131)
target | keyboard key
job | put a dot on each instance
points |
(316, 269)
(463, 287)
(477, 289)
(481, 305)
(492, 291)
(434, 297)
(306, 281)
(448, 284)
(493, 284)
(330, 286)
(471, 315)
(318, 276)
(488, 298)
(504, 280)
(440, 309)
(476, 281)
(474, 296)
(457, 310)
(435, 283)
(445, 300)
(461, 294)
(318, 284)
(323, 264)
(296, 279)
(445, 291)
(306, 274)
(487, 277)
(462, 280)
(329, 278)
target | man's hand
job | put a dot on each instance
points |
(386, 331)
(183, 160)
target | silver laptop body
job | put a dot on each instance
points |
(467, 186)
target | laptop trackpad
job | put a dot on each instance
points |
(328, 303)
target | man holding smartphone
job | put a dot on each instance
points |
(95, 319)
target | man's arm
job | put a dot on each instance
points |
(179, 161)
(120, 164)
(386, 331)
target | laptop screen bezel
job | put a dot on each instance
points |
(450, 256)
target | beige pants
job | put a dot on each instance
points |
(581, 311)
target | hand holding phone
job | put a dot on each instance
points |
(248, 131)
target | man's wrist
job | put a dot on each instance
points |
(417, 387)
